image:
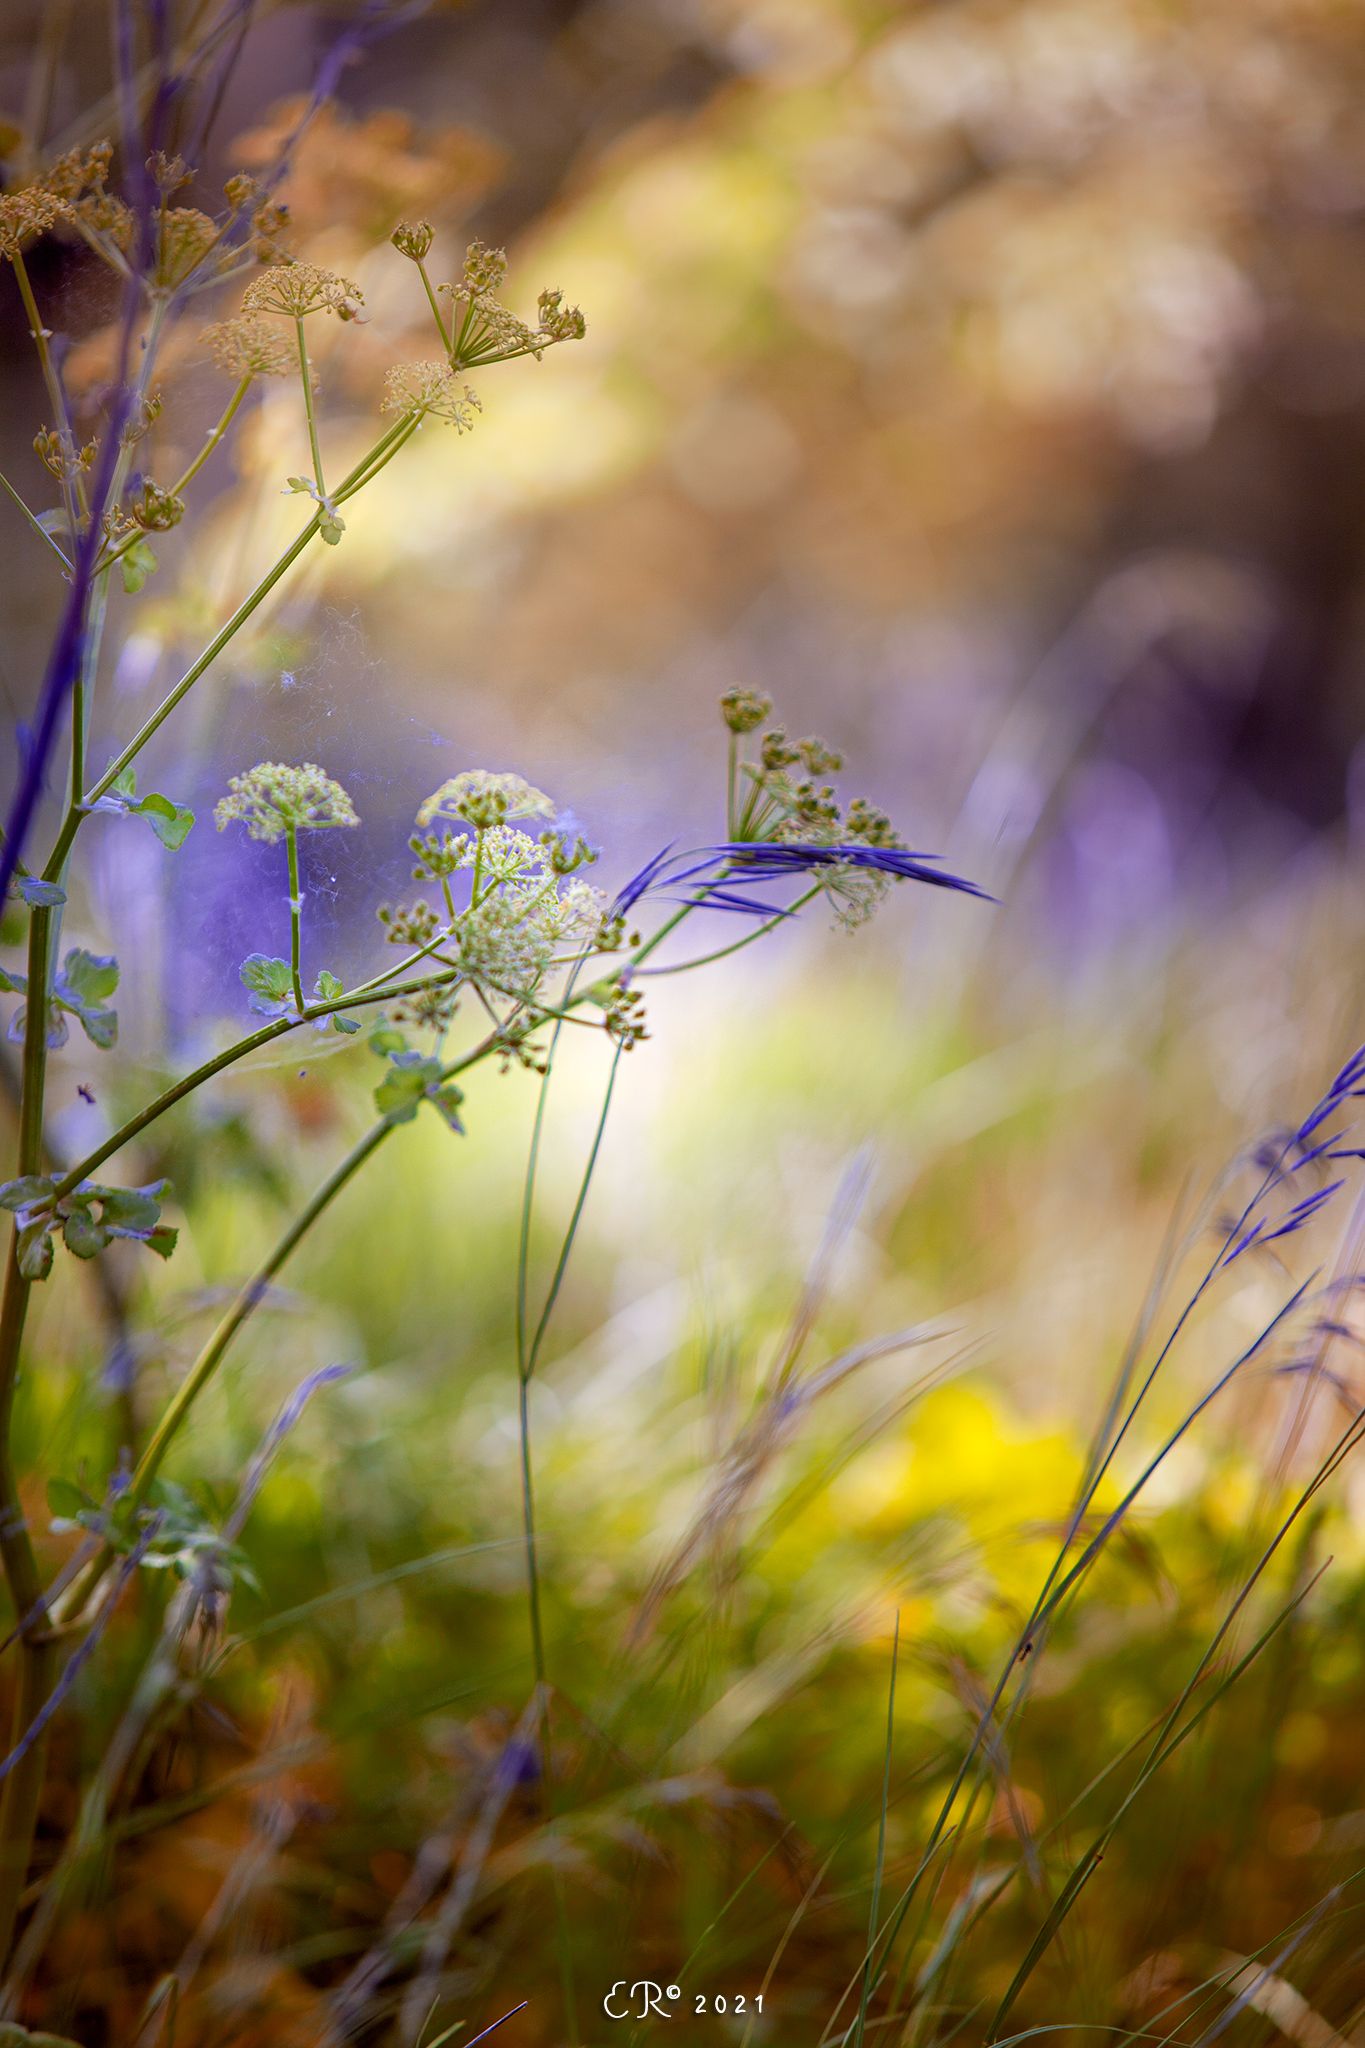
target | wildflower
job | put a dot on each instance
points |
(272, 799)
(78, 171)
(712, 870)
(438, 855)
(104, 216)
(268, 217)
(624, 1016)
(413, 239)
(744, 710)
(565, 852)
(559, 322)
(484, 269)
(409, 924)
(168, 173)
(155, 510)
(483, 797)
(60, 194)
(431, 387)
(250, 347)
(508, 939)
(26, 214)
(486, 331)
(58, 452)
(297, 289)
(184, 237)
(144, 417)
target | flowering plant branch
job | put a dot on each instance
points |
(505, 927)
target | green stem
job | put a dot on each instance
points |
(34, 521)
(370, 464)
(305, 371)
(192, 674)
(73, 494)
(248, 1299)
(737, 945)
(434, 303)
(291, 838)
(187, 476)
(188, 1084)
(24, 1783)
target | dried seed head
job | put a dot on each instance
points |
(184, 237)
(297, 289)
(251, 347)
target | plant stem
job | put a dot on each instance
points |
(291, 838)
(370, 464)
(73, 495)
(248, 1299)
(434, 303)
(305, 370)
(196, 669)
(24, 1784)
(33, 520)
(187, 1085)
(187, 476)
(246, 1302)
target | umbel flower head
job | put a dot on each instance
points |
(431, 387)
(483, 797)
(485, 331)
(298, 289)
(250, 346)
(272, 799)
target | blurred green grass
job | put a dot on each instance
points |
(720, 1647)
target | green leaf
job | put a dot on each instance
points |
(26, 1191)
(100, 1027)
(162, 1240)
(130, 1211)
(13, 984)
(83, 1235)
(170, 821)
(33, 1249)
(328, 989)
(265, 976)
(81, 987)
(399, 1095)
(414, 1078)
(38, 894)
(136, 564)
(89, 977)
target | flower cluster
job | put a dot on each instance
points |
(295, 290)
(526, 906)
(62, 195)
(486, 331)
(251, 346)
(483, 797)
(273, 799)
(788, 825)
(419, 389)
